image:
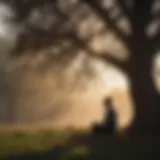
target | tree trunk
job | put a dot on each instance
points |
(145, 96)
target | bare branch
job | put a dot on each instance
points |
(105, 56)
(142, 13)
(125, 9)
(118, 63)
(108, 21)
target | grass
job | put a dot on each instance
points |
(73, 145)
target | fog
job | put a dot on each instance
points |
(58, 82)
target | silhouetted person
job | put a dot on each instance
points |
(110, 117)
(109, 125)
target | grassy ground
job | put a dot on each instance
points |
(73, 145)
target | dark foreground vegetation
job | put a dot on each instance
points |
(75, 145)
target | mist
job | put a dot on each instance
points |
(47, 78)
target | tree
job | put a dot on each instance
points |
(139, 65)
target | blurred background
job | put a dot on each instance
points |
(48, 77)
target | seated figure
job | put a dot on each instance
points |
(109, 125)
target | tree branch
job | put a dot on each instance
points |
(118, 63)
(108, 21)
(124, 9)
(142, 13)
(105, 56)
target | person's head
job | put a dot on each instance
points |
(108, 101)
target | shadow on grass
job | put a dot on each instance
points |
(54, 154)
(93, 147)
